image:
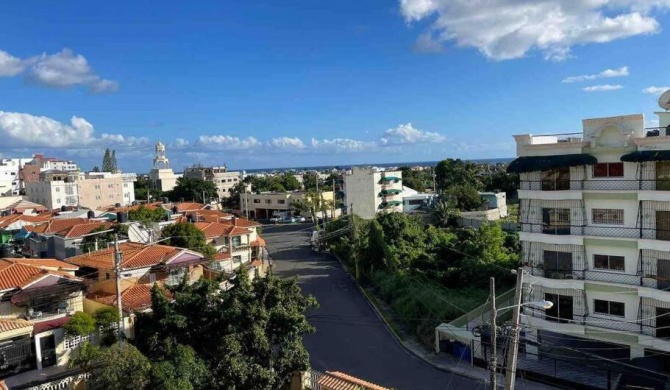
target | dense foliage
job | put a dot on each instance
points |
(146, 216)
(101, 240)
(144, 192)
(192, 189)
(187, 235)
(109, 163)
(249, 337)
(276, 183)
(407, 262)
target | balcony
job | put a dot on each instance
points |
(389, 193)
(390, 204)
(596, 185)
(657, 131)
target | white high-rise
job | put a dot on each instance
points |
(595, 233)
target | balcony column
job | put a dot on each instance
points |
(38, 352)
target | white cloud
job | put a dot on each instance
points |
(25, 130)
(654, 90)
(286, 143)
(426, 43)
(602, 88)
(60, 70)
(342, 145)
(9, 65)
(508, 29)
(607, 73)
(407, 134)
(227, 142)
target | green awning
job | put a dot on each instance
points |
(543, 163)
(390, 178)
(390, 203)
(393, 191)
(647, 155)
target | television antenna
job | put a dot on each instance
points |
(664, 100)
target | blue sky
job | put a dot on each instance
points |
(272, 84)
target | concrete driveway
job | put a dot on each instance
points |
(349, 337)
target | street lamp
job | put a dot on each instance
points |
(542, 304)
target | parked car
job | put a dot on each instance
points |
(301, 219)
(275, 219)
(288, 220)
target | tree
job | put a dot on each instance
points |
(107, 162)
(143, 190)
(80, 324)
(112, 158)
(233, 201)
(289, 181)
(193, 189)
(415, 180)
(105, 318)
(85, 358)
(92, 241)
(146, 216)
(310, 180)
(181, 369)
(186, 235)
(312, 202)
(454, 172)
(465, 197)
(96, 169)
(249, 337)
(122, 368)
(503, 181)
(445, 211)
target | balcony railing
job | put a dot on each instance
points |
(596, 185)
(602, 231)
(656, 131)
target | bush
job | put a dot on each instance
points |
(80, 324)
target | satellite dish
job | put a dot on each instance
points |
(664, 100)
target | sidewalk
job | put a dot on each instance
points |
(443, 361)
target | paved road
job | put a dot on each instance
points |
(349, 337)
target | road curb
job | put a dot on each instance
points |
(396, 337)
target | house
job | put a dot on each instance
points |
(135, 298)
(265, 205)
(230, 239)
(145, 263)
(62, 238)
(34, 304)
(220, 176)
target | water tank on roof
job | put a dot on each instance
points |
(134, 203)
(181, 200)
(166, 200)
(175, 210)
(190, 218)
(90, 214)
(121, 217)
(117, 205)
(6, 251)
(4, 213)
(63, 208)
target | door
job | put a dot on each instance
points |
(662, 323)
(663, 175)
(662, 274)
(48, 347)
(663, 225)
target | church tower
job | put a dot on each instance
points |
(161, 158)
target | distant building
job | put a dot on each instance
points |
(371, 191)
(161, 176)
(496, 200)
(268, 204)
(222, 179)
(10, 182)
(418, 203)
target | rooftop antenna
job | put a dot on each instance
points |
(664, 100)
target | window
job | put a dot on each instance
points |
(237, 259)
(609, 308)
(415, 202)
(557, 265)
(612, 263)
(607, 216)
(58, 200)
(268, 201)
(614, 169)
(556, 179)
(125, 185)
(97, 187)
(556, 221)
(561, 311)
(257, 201)
(281, 201)
(75, 341)
(57, 189)
(237, 241)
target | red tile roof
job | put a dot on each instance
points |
(13, 324)
(241, 222)
(79, 230)
(15, 275)
(58, 225)
(188, 206)
(222, 256)
(134, 255)
(31, 219)
(256, 263)
(45, 263)
(134, 298)
(216, 229)
(333, 380)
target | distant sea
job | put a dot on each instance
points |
(380, 165)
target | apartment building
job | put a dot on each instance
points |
(224, 180)
(595, 234)
(56, 189)
(371, 191)
(10, 168)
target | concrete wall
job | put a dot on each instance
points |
(53, 194)
(362, 188)
(100, 192)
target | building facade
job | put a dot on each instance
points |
(266, 205)
(595, 234)
(161, 176)
(222, 179)
(371, 192)
(10, 181)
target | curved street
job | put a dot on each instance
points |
(349, 337)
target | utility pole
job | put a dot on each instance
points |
(352, 224)
(510, 374)
(432, 173)
(493, 362)
(246, 201)
(332, 215)
(117, 267)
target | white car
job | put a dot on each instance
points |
(275, 219)
(300, 219)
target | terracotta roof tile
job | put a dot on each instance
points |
(13, 324)
(31, 219)
(222, 256)
(241, 222)
(79, 230)
(134, 298)
(188, 206)
(216, 229)
(14, 275)
(339, 381)
(135, 255)
(58, 225)
(45, 263)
